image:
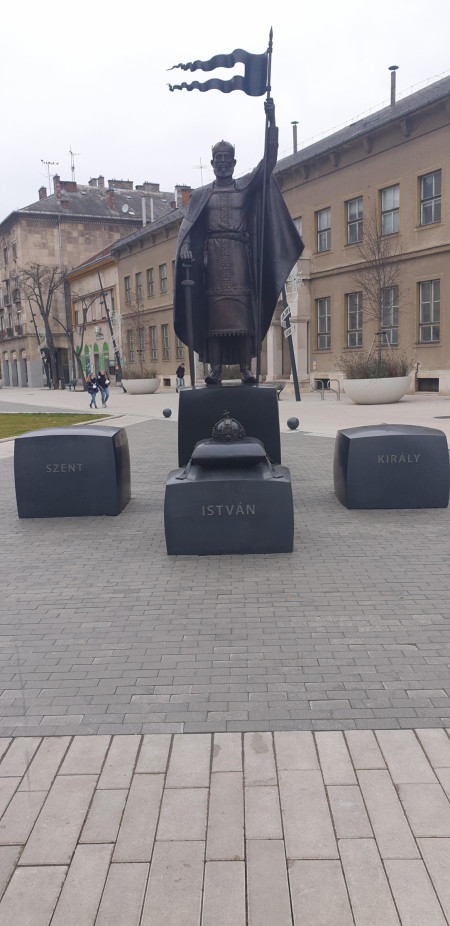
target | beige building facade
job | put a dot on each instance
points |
(390, 171)
(60, 230)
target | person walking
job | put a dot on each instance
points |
(103, 384)
(180, 375)
(92, 388)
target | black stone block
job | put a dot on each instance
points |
(391, 466)
(256, 407)
(72, 472)
(223, 511)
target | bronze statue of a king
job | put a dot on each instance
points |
(221, 236)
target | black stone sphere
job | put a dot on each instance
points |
(293, 423)
(167, 412)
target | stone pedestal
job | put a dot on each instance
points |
(256, 407)
(391, 466)
(72, 472)
(247, 509)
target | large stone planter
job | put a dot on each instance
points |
(381, 391)
(141, 386)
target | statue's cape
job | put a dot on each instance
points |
(282, 248)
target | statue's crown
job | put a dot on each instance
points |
(223, 146)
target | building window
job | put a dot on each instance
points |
(354, 319)
(323, 323)
(165, 339)
(389, 315)
(163, 278)
(130, 345)
(153, 342)
(299, 225)
(180, 349)
(5, 256)
(429, 311)
(141, 337)
(14, 250)
(390, 208)
(139, 286)
(430, 198)
(127, 289)
(150, 282)
(324, 230)
(354, 220)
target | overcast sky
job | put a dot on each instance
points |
(92, 76)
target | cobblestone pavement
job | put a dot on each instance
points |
(102, 632)
(284, 829)
(229, 824)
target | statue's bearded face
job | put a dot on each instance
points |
(223, 163)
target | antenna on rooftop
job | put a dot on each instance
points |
(48, 165)
(201, 167)
(73, 155)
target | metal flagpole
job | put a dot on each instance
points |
(286, 320)
(263, 216)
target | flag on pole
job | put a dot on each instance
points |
(253, 82)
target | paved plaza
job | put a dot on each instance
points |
(230, 740)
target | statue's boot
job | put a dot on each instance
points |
(247, 376)
(213, 379)
(245, 360)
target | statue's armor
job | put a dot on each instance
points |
(227, 264)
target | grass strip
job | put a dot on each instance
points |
(12, 424)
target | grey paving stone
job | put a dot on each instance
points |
(224, 902)
(413, 893)
(319, 896)
(123, 895)
(174, 892)
(31, 896)
(267, 884)
(81, 894)
(367, 884)
(55, 834)
(138, 827)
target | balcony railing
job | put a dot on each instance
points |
(9, 332)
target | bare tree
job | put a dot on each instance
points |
(70, 334)
(39, 284)
(137, 339)
(377, 274)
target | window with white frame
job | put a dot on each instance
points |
(163, 278)
(354, 319)
(323, 229)
(127, 282)
(153, 342)
(355, 220)
(150, 282)
(180, 349)
(165, 340)
(139, 285)
(389, 315)
(130, 338)
(390, 210)
(429, 311)
(323, 323)
(430, 198)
